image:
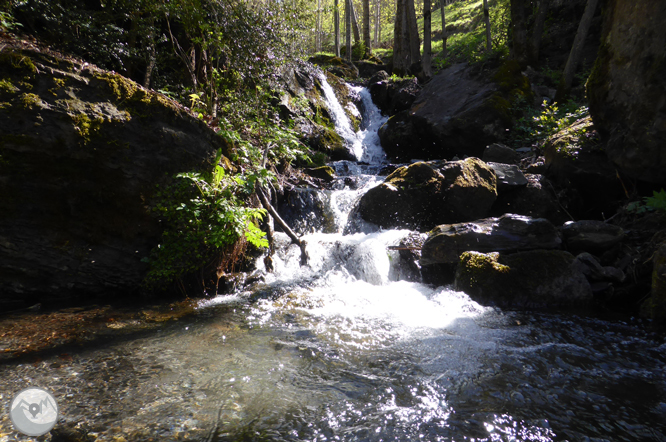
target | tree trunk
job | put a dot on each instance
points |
(444, 36)
(486, 18)
(355, 27)
(348, 41)
(318, 28)
(414, 40)
(537, 32)
(377, 22)
(366, 26)
(519, 31)
(427, 71)
(336, 19)
(400, 51)
(564, 87)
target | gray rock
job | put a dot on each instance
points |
(537, 200)
(499, 153)
(80, 170)
(509, 177)
(533, 279)
(594, 271)
(422, 195)
(627, 88)
(508, 233)
(453, 115)
(591, 236)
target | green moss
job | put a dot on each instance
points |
(29, 100)
(7, 86)
(413, 176)
(17, 65)
(86, 127)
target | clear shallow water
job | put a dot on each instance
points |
(348, 350)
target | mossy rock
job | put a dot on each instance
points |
(532, 279)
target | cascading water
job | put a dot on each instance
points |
(347, 349)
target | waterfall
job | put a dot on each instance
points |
(364, 144)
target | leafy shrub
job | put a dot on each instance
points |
(538, 124)
(206, 224)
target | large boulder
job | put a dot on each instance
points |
(627, 88)
(390, 96)
(82, 152)
(509, 233)
(458, 113)
(537, 200)
(534, 279)
(423, 195)
(576, 162)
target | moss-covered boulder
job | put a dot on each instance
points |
(336, 65)
(423, 195)
(533, 279)
(82, 152)
(627, 88)
(459, 112)
(508, 233)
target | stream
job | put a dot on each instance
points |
(353, 348)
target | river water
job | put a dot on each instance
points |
(351, 348)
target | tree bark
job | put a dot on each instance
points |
(336, 19)
(519, 31)
(444, 36)
(537, 32)
(414, 40)
(426, 61)
(564, 87)
(400, 52)
(348, 41)
(486, 18)
(355, 27)
(378, 24)
(366, 26)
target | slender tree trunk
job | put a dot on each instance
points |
(537, 32)
(400, 52)
(486, 18)
(355, 27)
(519, 31)
(444, 36)
(336, 19)
(376, 20)
(366, 26)
(379, 23)
(414, 40)
(576, 50)
(427, 70)
(318, 28)
(348, 42)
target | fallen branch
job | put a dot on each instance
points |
(290, 233)
(403, 248)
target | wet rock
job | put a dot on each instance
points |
(627, 88)
(655, 306)
(393, 97)
(575, 161)
(325, 173)
(82, 152)
(509, 233)
(306, 210)
(509, 177)
(533, 279)
(537, 200)
(369, 69)
(423, 195)
(591, 236)
(594, 271)
(499, 153)
(336, 65)
(458, 113)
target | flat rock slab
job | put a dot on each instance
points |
(591, 236)
(508, 233)
(509, 176)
